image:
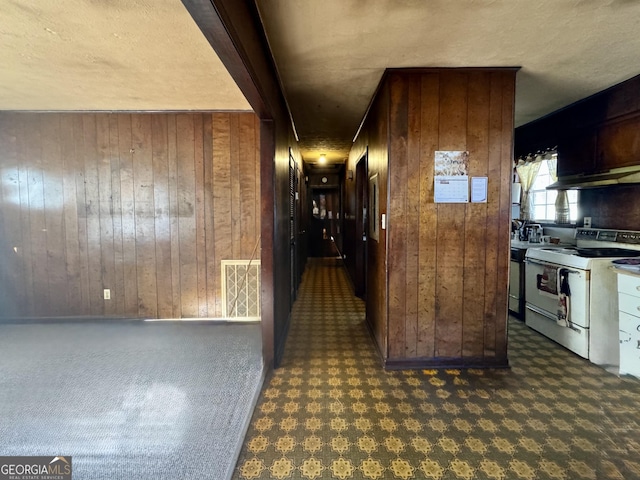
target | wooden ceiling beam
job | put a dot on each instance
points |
(234, 31)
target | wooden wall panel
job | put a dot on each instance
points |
(450, 236)
(127, 216)
(222, 189)
(473, 300)
(54, 221)
(144, 216)
(174, 213)
(446, 268)
(91, 212)
(187, 214)
(397, 233)
(209, 246)
(37, 226)
(427, 261)
(118, 302)
(105, 209)
(412, 216)
(201, 260)
(503, 245)
(162, 209)
(126, 202)
(377, 281)
(12, 274)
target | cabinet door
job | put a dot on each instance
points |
(629, 344)
(577, 154)
(619, 144)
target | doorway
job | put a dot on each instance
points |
(325, 222)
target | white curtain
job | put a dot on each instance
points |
(527, 171)
(552, 163)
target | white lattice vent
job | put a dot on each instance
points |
(241, 289)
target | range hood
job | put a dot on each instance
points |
(615, 176)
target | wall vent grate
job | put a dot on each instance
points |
(241, 289)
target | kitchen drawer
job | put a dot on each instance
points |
(629, 284)
(629, 304)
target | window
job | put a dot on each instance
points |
(544, 201)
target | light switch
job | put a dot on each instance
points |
(383, 222)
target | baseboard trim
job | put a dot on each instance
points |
(444, 362)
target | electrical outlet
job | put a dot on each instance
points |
(107, 294)
(587, 222)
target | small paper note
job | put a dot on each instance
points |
(479, 187)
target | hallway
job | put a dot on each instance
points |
(331, 411)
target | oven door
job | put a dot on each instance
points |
(546, 303)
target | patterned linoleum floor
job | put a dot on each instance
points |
(331, 411)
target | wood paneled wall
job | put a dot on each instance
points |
(283, 143)
(146, 205)
(373, 141)
(446, 264)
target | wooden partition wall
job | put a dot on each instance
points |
(145, 205)
(440, 273)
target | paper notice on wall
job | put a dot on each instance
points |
(451, 189)
(479, 187)
(451, 181)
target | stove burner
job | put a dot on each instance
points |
(606, 252)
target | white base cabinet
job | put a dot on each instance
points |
(629, 306)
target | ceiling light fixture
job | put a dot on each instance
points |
(322, 159)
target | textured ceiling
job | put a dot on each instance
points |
(331, 53)
(150, 55)
(108, 55)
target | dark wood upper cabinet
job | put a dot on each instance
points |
(618, 144)
(593, 135)
(577, 154)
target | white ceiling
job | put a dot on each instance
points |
(332, 53)
(150, 55)
(109, 55)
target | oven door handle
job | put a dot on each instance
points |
(542, 312)
(552, 265)
(549, 316)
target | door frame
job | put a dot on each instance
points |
(362, 226)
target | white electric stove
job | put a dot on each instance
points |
(591, 328)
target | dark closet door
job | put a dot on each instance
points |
(362, 209)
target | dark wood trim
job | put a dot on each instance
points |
(267, 222)
(211, 19)
(234, 31)
(375, 342)
(469, 362)
(422, 70)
